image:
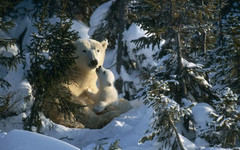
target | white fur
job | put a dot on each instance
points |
(107, 93)
(85, 76)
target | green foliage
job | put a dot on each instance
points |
(224, 129)
(227, 55)
(6, 107)
(167, 112)
(234, 48)
(113, 146)
(52, 57)
(7, 6)
(77, 9)
(187, 31)
(187, 21)
(6, 61)
(191, 18)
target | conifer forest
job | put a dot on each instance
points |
(177, 62)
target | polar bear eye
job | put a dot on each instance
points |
(104, 72)
(84, 51)
(98, 50)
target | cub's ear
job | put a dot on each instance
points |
(104, 44)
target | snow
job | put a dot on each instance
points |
(25, 140)
(9, 50)
(129, 128)
(201, 113)
(190, 64)
(134, 32)
(81, 28)
(98, 16)
(188, 144)
(19, 90)
(201, 142)
(125, 75)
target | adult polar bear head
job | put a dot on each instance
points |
(90, 53)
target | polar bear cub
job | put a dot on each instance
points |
(107, 93)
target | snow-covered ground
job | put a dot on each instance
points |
(25, 140)
(128, 128)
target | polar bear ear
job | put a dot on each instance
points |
(104, 44)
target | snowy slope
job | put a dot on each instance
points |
(25, 140)
(128, 128)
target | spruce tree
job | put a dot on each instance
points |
(224, 129)
(76, 9)
(5, 61)
(235, 46)
(185, 18)
(175, 81)
(233, 49)
(52, 57)
(224, 59)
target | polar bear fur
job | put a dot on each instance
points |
(107, 93)
(90, 55)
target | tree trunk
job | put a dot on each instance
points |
(121, 25)
(180, 70)
(220, 40)
(204, 42)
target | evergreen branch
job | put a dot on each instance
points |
(177, 135)
(6, 40)
(4, 83)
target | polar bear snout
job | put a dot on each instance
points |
(94, 63)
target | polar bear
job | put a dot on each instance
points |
(107, 93)
(90, 54)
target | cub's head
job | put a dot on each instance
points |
(90, 53)
(105, 77)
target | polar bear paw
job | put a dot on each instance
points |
(100, 107)
(90, 94)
